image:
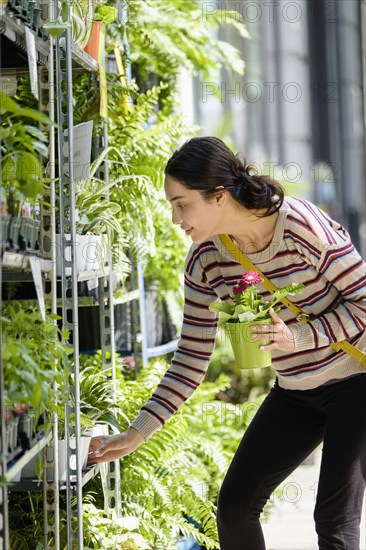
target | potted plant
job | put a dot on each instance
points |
(250, 309)
(79, 15)
(22, 172)
(103, 15)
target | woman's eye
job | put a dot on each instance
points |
(181, 206)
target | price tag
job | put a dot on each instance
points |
(32, 61)
(37, 278)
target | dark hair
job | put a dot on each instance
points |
(206, 164)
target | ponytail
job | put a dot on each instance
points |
(256, 192)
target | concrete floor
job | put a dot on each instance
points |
(291, 526)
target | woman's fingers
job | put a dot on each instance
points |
(280, 335)
(110, 447)
(107, 457)
(276, 318)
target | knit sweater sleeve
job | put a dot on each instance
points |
(339, 265)
(191, 358)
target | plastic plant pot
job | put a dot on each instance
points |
(246, 348)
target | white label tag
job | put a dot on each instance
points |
(32, 61)
(37, 278)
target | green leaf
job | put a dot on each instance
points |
(7, 104)
(36, 132)
(224, 307)
(106, 14)
(28, 173)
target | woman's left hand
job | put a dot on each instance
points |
(280, 335)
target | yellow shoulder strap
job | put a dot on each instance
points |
(301, 316)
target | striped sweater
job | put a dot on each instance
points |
(307, 247)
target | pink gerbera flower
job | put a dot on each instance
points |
(251, 278)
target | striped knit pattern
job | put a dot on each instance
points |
(308, 247)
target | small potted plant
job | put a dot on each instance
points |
(22, 173)
(103, 15)
(250, 309)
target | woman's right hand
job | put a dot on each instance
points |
(104, 448)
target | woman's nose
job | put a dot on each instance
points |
(176, 217)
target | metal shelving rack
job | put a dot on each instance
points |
(16, 266)
(60, 57)
(67, 55)
(56, 61)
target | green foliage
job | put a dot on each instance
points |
(249, 305)
(164, 37)
(145, 137)
(166, 268)
(105, 13)
(96, 395)
(34, 356)
(26, 521)
(176, 475)
(143, 126)
(22, 143)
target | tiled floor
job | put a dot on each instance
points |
(291, 525)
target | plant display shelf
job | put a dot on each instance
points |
(13, 29)
(13, 32)
(85, 276)
(83, 60)
(38, 484)
(14, 261)
(26, 457)
(87, 475)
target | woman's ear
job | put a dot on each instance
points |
(220, 197)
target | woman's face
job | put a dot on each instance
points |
(198, 217)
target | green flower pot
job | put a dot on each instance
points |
(246, 348)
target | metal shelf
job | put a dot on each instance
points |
(87, 475)
(83, 60)
(38, 485)
(17, 261)
(27, 457)
(128, 297)
(61, 58)
(13, 29)
(169, 347)
(84, 276)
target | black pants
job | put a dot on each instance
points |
(288, 426)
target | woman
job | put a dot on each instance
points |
(319, 394)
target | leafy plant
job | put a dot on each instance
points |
(34, 357)
(145, 148)
(164, 37)
(96, 213)
(248, 303)
(22, 143)
(79, 14)
(105, 13)
(26, 521)
(96, 395)
(176, 475)
(143, 124)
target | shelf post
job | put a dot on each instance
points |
(106, 319)
(69, 289)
